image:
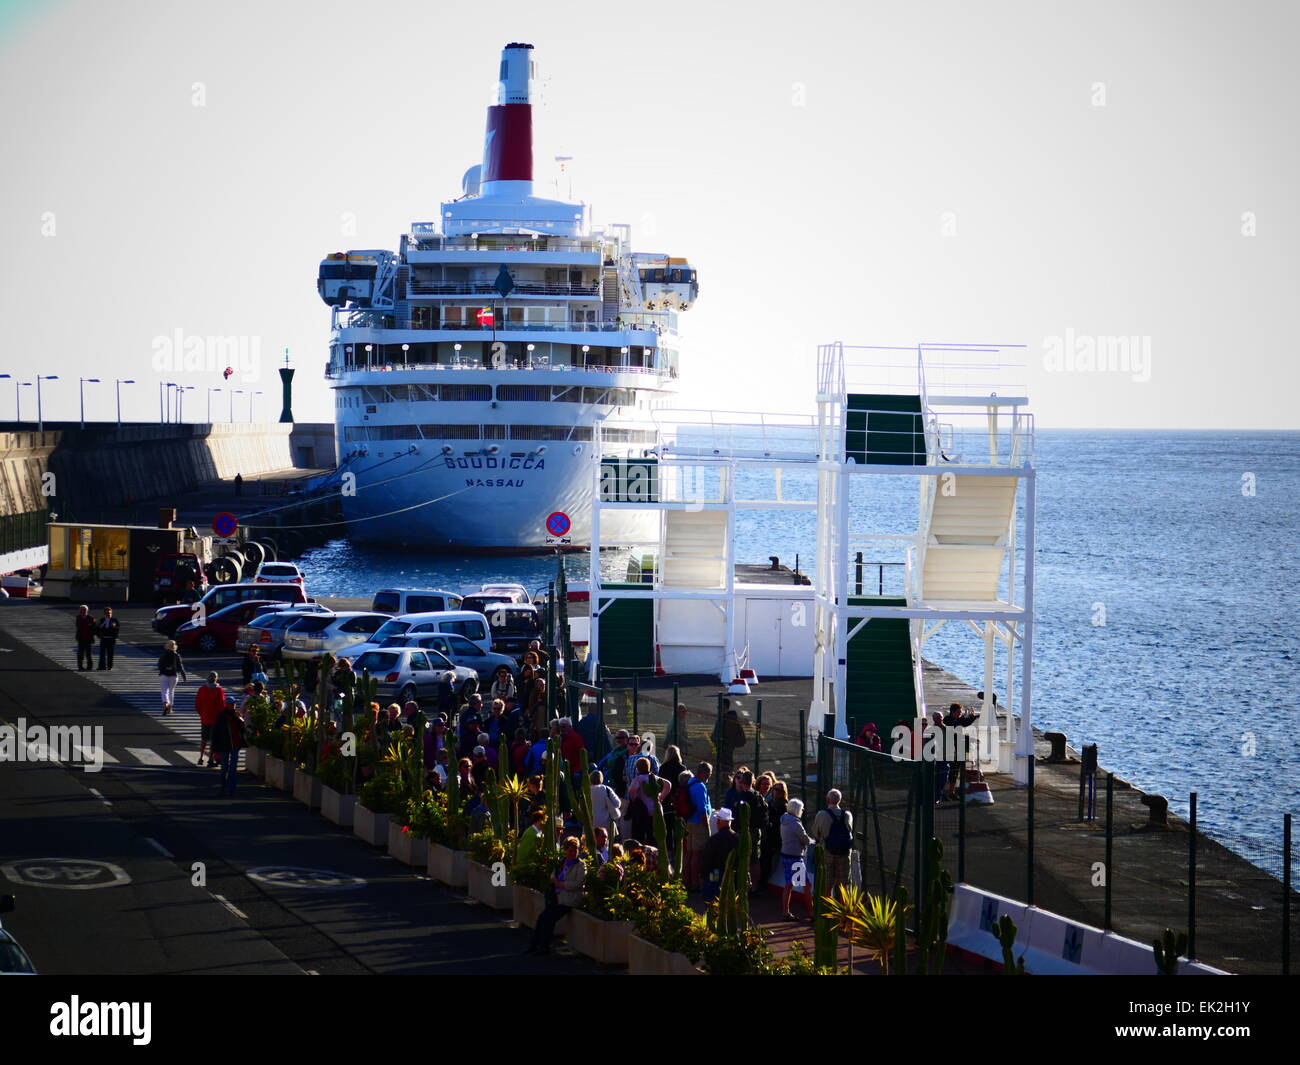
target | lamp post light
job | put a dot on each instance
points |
(233, 393)
(7, 377)
(40, 417)
(531, 349)
(18, 397)
(120, 383)
(457, 347)
(585, 349)
(81, 389)
(405, 354)
(250, 404)
(369, 349)
(211, 389)
(180, 400)
(623, 360)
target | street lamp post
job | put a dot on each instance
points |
(250, 404)
(120, 383)
(6, 377)
(18, 397)
(180, 400)
(211, 389)
(40, 417)
(81, 388)
(233, 393)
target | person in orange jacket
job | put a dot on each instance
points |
(209, 701)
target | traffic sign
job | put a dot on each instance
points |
(225, 524)
(558, 524)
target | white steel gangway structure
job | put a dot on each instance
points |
(951, 417)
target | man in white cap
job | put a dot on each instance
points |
(713, 862)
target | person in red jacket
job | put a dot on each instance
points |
(209, 701)
(571, 746)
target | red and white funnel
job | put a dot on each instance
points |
(508, 145)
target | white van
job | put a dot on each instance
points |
(473, 626)
(399, 601)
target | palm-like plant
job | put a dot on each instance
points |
(876, 929)
(846, 909)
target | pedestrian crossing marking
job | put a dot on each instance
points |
(145, 756)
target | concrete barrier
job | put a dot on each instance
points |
(1050, 944)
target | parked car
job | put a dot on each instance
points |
(514, 626)
(461, 651)
(464, 623)
(14, 961)
(483, 601)
(399, 601)
(315, 635)
(172, 572)
(405, 673)
(167, 620)
(218, 631)
(279, 573)
(267, 629)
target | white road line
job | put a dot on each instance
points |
(89, 756)
(311, 972)
(145, 756)
(99, 795)
(158, 847)
(230, 906)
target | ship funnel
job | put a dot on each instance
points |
(508, 145)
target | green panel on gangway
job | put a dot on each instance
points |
(884, 430)
(627, 635)
(878, 677)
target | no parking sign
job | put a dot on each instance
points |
(558, 524)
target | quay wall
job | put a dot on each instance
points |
(107, 465)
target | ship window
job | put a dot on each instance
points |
(494, 432)
(462, 393)
(523, 393)
(550, 432)
(450, 432)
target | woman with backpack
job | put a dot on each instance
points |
(641, 803)
(606, 807)
(170, 667)
(833, 828)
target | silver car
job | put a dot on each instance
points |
(267, 631)
(406, 673)
(461, 651)
(313, 636)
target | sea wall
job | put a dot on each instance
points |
(106, 465)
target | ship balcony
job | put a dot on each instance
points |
(418, 289)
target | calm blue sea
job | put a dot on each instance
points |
(1188, 685)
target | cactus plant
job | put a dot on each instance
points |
(654, 786)
(932, 922)
(1006, 934)
(826, 946)
(1167, 949)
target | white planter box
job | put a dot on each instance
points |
(307, 789)
(279, 773)
(646, 959)
(528, 906)
(255, 760)
(498, 896)
(601, 940)
(448, 866)
(370, 826)
(406, 848)
(337, 807)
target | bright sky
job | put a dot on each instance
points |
(879, 173)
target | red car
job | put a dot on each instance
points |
(222, 627)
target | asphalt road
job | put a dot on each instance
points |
(191, 905)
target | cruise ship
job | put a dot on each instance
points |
(471, 367)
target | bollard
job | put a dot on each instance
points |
(1158, 806)
(1057, 740)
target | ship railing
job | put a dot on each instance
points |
(425, 237)
(334, 371)
(547, 327)
(486, 288)
(737, 434)
(994, 437)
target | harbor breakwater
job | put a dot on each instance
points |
(103, 466)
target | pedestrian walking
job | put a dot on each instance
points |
(713, 860)
(170, 668)
(227, 741)
(209, 701)
(833, 829)
(697, 824)
(107, 629)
